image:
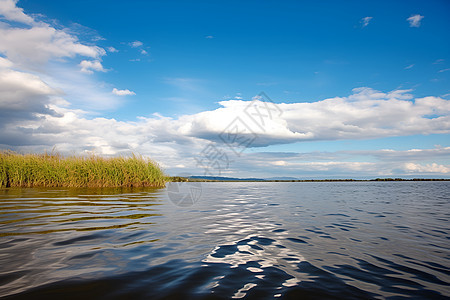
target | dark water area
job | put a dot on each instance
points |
(341, 240)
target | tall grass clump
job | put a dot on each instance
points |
(55, 170)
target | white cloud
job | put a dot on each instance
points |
(426, 168)
(88, 66)
(122, 92)
(42, 109)
(94, 96)
(50, 55)
(364, 114)
(444, 70)
(365, 21)
(11, 12)
(112, 50)
(342, 164)
(33, 47)
(25, 101)
(209, 37)
(329, 165)
(5, 63)
(414, 20)
(409, 66)
(411, 155)
(136, 44)
(23, 91)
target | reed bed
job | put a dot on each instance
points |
(55, 170)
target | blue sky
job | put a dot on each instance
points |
(362, 87)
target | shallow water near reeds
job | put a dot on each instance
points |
(342, 240)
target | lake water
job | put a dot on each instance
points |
(343, 240)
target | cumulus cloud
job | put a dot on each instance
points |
(34, 54)
(426, 168)
(122, 92)
(11, 12)
(23, 96)
(25, 101)
(414, 20)
(112, 50)
(342, 164)
(89, 66)
(365, 21)
(5, 63)
(136, 44)
(412, 155)
(366, 113)
(327, 166)
(33, 47)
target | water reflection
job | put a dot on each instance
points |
(255, 254)
(242, 240)
(49, 235)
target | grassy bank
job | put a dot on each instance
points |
(54, 170)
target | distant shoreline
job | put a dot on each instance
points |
(225, 179)
(54, 170)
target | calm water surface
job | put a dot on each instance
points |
(354, 240)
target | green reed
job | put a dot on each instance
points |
(55, 170)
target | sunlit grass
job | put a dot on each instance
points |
(55, 170)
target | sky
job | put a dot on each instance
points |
(294, 89)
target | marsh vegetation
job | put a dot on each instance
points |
(56, 170)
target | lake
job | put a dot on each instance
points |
(241, 240)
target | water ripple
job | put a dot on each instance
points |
(240, 241)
